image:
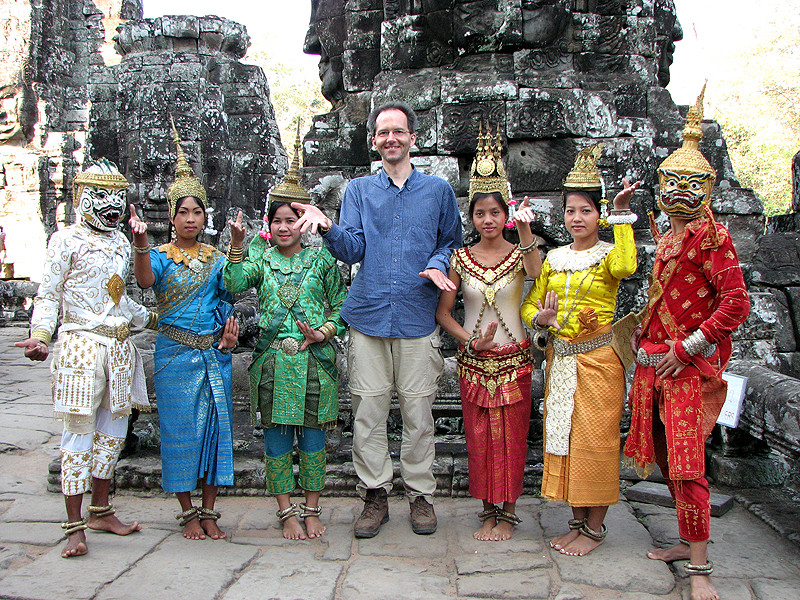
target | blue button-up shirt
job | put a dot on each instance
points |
(395, 233)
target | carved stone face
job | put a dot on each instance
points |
(683, 195)
(544, 21)
(10, 97)
(102, 208)
(325, 36)
(668, 31)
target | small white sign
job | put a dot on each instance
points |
(732, 409)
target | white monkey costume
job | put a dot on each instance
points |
(97, 373)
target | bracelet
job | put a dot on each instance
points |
(235, 254)
(529, 248)
(143, 249)
(328, 329)
(695, 343)
(41, 334)
(536, 325)
(622, 217)
(468, 346)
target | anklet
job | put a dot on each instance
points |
(508, 517)
(597, 536)
(287, 512)
(102, 511)
(309, 511)
(187, 515)
(71, 527)
(576, 523)
(489, 513)
(207, 513)
(699, 570)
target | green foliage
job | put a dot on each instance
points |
(294, 87)
(758, 109)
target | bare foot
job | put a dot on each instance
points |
(502, 531)
(484, 534)
(562, 540)
(112, 524)
(292, 530)
(212, 529)
(314, 527)
(580, 546)
(668, 555)
(702, 588)
(193, 530)
(76, 545)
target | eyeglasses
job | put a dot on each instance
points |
(385, 133)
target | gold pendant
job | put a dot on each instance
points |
(116, 287)
(288, 294)
(489, 293)
(195, 265)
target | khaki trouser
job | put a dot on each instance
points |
(413, 367)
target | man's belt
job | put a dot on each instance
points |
(289, 345)
(119, 332)
(189, 338)
(652, 360)
(562, 347)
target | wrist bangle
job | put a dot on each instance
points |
(529, 248)
(41, 334)
(536, 325)
(468, 346)
(235, 254)
(142, 249)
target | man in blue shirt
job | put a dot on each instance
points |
(402, 226)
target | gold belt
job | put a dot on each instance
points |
(189, 338)
(120, 332)
(564, 348)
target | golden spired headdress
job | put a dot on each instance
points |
(688, 159)
(185, 184)
(290, 190)
(584, 174)
(488, 174)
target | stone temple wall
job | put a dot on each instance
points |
(556, 76)
(73, 88)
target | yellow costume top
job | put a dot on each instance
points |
(583, 279)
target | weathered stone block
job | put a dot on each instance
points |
(474, 87)
(363, 29)
(347, 148)
(480, 27)
(745, 231)
(497, 63)
(776, 262)
(360, 67)
(458, 124)
(417, 41)
(736, 201)
(421, 89)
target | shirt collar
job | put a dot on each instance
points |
(410, 182)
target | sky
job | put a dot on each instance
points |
(713, 30)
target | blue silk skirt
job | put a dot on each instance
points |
(194, 395)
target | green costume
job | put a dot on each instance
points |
(288, 386)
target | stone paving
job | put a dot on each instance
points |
(752, 561)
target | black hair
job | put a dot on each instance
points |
(273, 208)
(481, 195)
(594, 195)
(178, 204)
(411, 116)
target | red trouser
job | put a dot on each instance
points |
(692, 497)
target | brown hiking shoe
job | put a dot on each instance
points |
(375, 514)
(423, 519)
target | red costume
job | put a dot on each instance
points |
(697, 298)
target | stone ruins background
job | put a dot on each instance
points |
(83, 78)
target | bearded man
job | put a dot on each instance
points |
(97, 374)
